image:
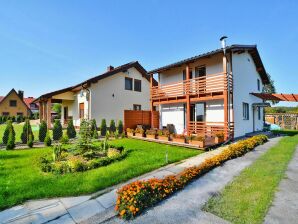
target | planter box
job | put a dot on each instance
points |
(179, 140)
(130, 134)
(139, 135)
(201, 144)
(163, 138)
(218, 140)
(151, 136)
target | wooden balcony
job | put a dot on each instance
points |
(209, 129)
(202, 88)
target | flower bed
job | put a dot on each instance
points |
(137, 196)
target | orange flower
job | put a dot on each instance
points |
(122, 212)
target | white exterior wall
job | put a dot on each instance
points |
(245, 82)
(172, 114)
(104, 105)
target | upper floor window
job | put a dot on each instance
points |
(137, 107)
(12, 103)
(259, 85)
(128, 83)
(200, 71)
(245, 111)
(137, 85)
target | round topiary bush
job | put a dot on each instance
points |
(57, 130)
(42, 131)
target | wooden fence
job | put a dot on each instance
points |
(284, 120)
(132, 118)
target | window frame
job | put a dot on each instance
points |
(259, 113)
(16, 103)
(245, 111)
(130, 79)
(134, 85)
(259, 84)
(136, 106)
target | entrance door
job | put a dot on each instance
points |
(81, 110)
(65, 115)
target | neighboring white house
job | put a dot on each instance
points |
(126, 87)
(193, 94)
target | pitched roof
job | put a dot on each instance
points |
(28, 101)
(116, 70)
(2, 98)
(251, 48)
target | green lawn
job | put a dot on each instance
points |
(285, 132)
(248, 198)
(21, 177)
(19, 129)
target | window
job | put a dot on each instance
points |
(137, 85)
(259, 113)
(200, 71)
(245, 111)
(12, 103)
(137, 107)
(5, 113)
(128, 83)
(20, 114)
(259, 85)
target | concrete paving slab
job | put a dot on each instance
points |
(41, 215)
(162, 174)
(109, 199)
(73, 201)
(66, 219)
(85, 210)
(12, 213)
(32, 205)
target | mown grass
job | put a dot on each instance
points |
(21, 178)
(18, 128)
(248, 197)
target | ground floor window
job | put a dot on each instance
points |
(245, 107)
(20, 114)
(5, 113)
(137, 107)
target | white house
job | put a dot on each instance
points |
(212, 92)
(126, 87)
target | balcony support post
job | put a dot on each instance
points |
(225, 96)
(187, 100)
(151, 101)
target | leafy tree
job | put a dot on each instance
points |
(42, 131)
(112, 126)
(71, 131)
(103, 127)
(270, 87)
(57, 108)
(7, 130)
(48, 140)
(27, 130)
(57, 130)
(11, 140)
(120, 127)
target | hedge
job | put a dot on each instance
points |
(137, 196)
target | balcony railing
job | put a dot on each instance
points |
(207, 85)
(210, 129)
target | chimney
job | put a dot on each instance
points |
(21, 94)
(110, 68)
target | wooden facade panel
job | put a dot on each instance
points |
(132, 118)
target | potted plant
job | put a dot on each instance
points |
(139, 132)
(130, 132)
(197, 140)
(151, 134)
(219, 138)
(163, 135)
(178, 138)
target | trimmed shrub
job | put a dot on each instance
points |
(103, 127)
(112, 126)
(57, 130)
(30, 142)
(11, 140)
(94, 129)
(71, 131)
(48, 140)
(135, 197)
(120, 127)
(27, 131)
(42, 131)
(8, 127)
(64, 139)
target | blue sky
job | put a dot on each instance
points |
(47, 45)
